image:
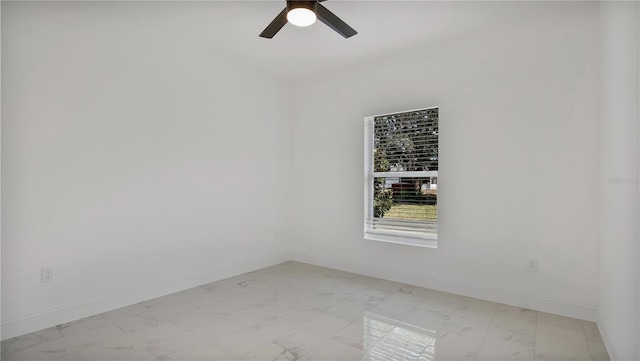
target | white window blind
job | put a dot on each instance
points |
(401, 177)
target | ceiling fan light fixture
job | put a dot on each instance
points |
(305, 13)
(301, 16)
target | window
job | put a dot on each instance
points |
(401, 177)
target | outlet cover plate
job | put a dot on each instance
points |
(46, 274)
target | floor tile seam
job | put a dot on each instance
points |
(408, 306)
(320, 344)
(243, 357)
(344, 343)
(424, 349)
(484, 339)
(586, 340)
(381, 338)
(62, 326)
(121, 356)
(351, 322)
(535, 334)
(324, 292)
(303, 354)
(4, 353)
(143, 345)
(11, 353)
(160, 323)
(364, 351)
(147, 345)
(248, 352)
(370, 296)
(244, 306)
(80, 356)
(134, 349)
(535, 342)
(226, 319)
(194, 350)
(189, 301)
(75, 349)
(573, 331)
(447, 313)
(77, 354)
(514, 331)
(314, 347)
(239, 299)
(348, 320)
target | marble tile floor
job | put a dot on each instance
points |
(295, 311)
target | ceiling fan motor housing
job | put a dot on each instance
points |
(311, 5)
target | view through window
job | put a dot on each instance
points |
(401, 177)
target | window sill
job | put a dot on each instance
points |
(404, 240)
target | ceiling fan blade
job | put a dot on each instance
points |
(334, 22)
(275, 26)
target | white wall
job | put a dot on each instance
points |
(619, 292)
(131, 161)
(519, 157)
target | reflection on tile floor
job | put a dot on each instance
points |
(295, 311)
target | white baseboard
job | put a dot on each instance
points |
(558, 307)
(49, 318)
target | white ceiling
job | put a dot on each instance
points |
(231, 28)
(383, 28)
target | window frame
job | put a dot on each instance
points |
(386, 235)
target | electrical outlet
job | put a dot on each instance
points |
(532, 265)
(46, 274)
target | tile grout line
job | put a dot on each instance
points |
(584, 333)
(535, 335)
(493, 316)
(385, 333)
(266, 343)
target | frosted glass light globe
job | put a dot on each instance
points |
(301, 17)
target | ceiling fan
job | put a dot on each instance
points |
(304, 13)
